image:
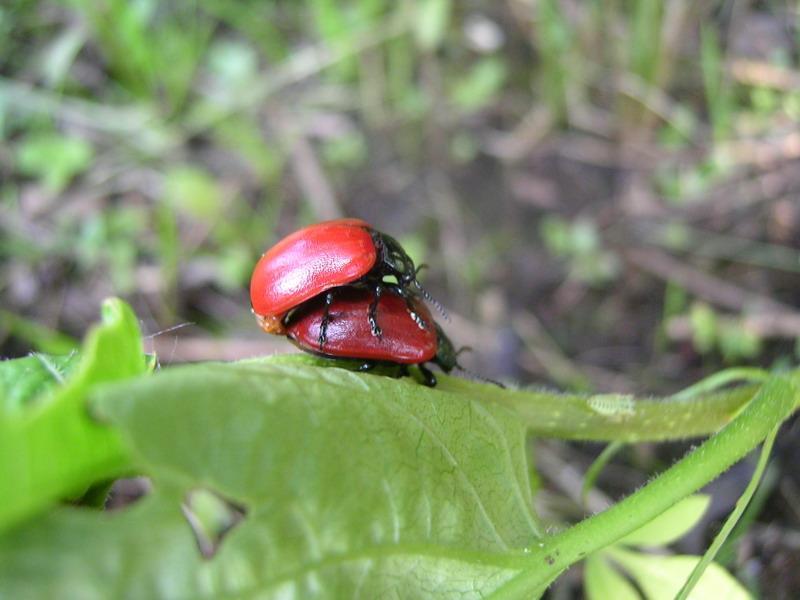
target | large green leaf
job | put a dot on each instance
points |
(23, 380)
(50, 447)
(353, 486)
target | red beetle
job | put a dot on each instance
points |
(322, 257)
(403, 342)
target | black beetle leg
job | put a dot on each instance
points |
(410, 308)
(366, 366)
(415, 315)
(373, 312)
(326, 318)
(428, 377)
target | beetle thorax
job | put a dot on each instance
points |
(393, 259)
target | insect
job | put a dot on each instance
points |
(402, 344)
(320, 260)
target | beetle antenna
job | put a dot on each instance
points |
(426, 294)
(474, 375)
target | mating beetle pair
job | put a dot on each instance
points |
(324, 288)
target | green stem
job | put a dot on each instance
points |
(775, 401)
(717, 380)
(594, 470)
(617, 417)
(733, 518)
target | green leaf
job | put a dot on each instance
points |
(242, 136)
(704, 326)
(585, 237)
(559, 63)
(478, 87)
(671, 525)
(22, 380)
(661, 577)
(53, 448)
(331, 21)
(233, 66)
(351, 484)
(234, 266)
(431, 22)
(720, 101)
(58, 56)
(234, 62)
(737, 341)
(349, 150)
(556, 235)
(601, 581)
(193, 192)
(54, 158)
(39, 336)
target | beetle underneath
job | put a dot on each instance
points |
(402, 344)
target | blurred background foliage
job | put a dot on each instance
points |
(607, 193)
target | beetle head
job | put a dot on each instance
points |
(395, 260)
(446, 354)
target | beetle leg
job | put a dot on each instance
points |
(410, 308)
(415, 315)
(373, 311)
(326, 318)
(366, 366)
(428, 377)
